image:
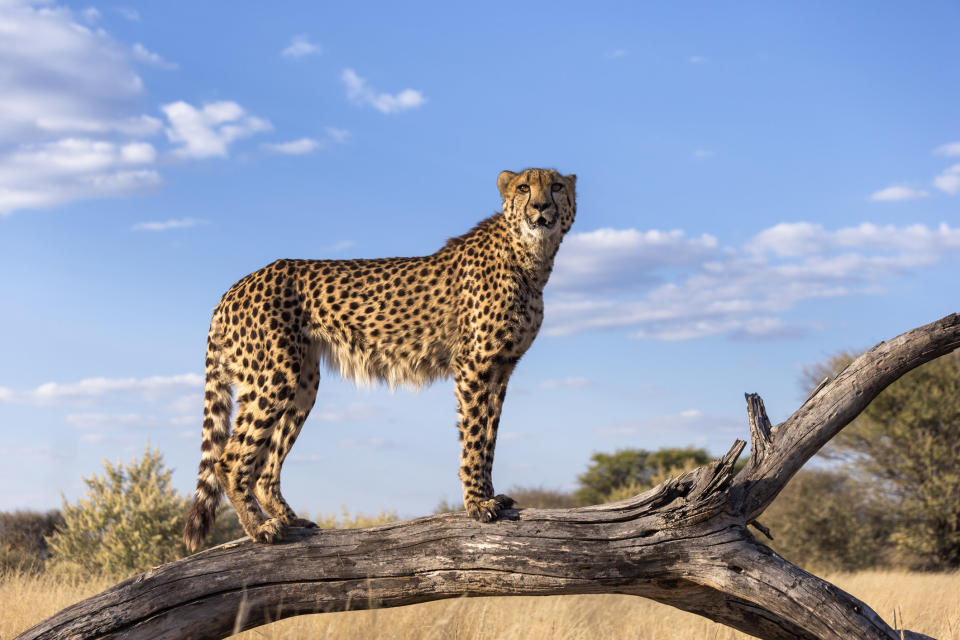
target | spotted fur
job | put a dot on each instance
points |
(469, 311)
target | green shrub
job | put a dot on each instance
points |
(130, 520)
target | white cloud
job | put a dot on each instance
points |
(58, 75)
(337, 135)
(696, 59)
(702, 154)
(949, 180)
(680, 429)
(699, 289)
(898, 192)
(130, 14)
(303, 146)
(166, 225)
(345, 413)
(565, 383)
(949, 149)
(91, 15)
(142, 54)
(625, 257)
(361, 93)
(209, 131)
(300, 46)
(294, 147)
(616, 53)
(91, 421)
(55, 392)
(807, 239)
(51, 173)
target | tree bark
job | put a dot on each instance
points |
(684, 543)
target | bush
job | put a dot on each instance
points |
(540, 498)
(828, 521)
(23, 545)
(130, 520)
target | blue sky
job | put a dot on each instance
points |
(760, 186)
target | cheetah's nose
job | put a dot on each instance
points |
(541, 206)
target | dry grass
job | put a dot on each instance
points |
(26, 599)
(928, 603)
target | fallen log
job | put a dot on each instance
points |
(685, 543)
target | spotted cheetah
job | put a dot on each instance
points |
(469, 311)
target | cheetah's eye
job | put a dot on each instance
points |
(523, 188)
(556, 186)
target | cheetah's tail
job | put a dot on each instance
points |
(217, 404)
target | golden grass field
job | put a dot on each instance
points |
(928, 603)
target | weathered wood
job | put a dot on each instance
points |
(684, 543)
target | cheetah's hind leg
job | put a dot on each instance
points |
(288, 428)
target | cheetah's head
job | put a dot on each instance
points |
(539, 204)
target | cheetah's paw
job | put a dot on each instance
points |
(271, 531)
(302, 522)
(489, 510)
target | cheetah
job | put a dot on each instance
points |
(469, 311)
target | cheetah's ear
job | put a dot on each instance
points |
(503, 180)
(572, 178)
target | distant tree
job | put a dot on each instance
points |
(130, 520)
(907, 444)
(541, 498)
(632, 468)
(23, 546)
(828, 521)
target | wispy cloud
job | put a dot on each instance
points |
(702, 154)
(565, 383)
(293, 147)
(361, 93)
(616, 53)
(57, 392)
(667, 286)
(300, 46)
(46, 174)
(949, 149)
(898, 192)
(350, 412)
(208, 131)
(130, 14)
(949, 180)
(167, 225)
(302, 146)
(691, 426)
(618, 258)
(696, 59)
(336, 134)
(146, 56)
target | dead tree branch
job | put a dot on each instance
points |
(684, 543)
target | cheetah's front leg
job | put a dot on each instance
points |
(480, 395)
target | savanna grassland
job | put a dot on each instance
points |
(926, 602)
